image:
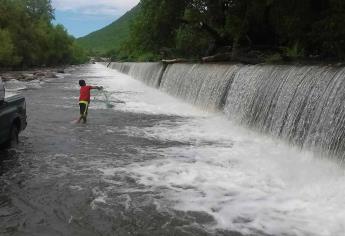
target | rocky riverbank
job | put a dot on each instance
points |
(30, 75)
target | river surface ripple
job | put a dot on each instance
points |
(152, 165)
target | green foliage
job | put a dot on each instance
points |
(328, 33)
(154, 27)
(109, 38)
(7, 50)
(195, 28)
(295, 51)
(28, 38)
(191, 43)
(79, 55)
(274, 58)
(39, 9)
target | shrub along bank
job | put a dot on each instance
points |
(29, 38)
(270, 30)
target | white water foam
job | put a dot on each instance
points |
(248, 182)
(137, 97)
(14, 87)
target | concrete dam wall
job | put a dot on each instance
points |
(304, 105)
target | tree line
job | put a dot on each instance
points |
(29, 38)
(274, 29)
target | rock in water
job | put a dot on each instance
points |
(61, 71)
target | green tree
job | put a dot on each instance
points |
(40, 9)
(7, 50)
(327, 36)
(28, 37)
(155, 26)
(295, 28)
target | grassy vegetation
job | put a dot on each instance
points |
(109, 38)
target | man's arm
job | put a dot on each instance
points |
(97, 87)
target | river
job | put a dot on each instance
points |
(150, 164)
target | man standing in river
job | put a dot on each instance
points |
(84, 99)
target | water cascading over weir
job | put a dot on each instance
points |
(304, 105)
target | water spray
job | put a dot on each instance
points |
(106, 95)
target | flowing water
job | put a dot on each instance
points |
(150, 73)
(205, 86)
(304, 105)
(154, 165)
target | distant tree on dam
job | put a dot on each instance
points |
(29, 38)
(194, 28)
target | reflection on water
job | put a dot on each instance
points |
(52, 184)
(8, 160)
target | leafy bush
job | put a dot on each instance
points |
(274, 58)
(7, 49)
(191, 42)
(28, 37)
(194, 28)
(294, 52)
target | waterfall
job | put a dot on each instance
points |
(205, 86)
(304, 105)
(149, 73)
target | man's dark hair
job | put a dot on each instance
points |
(82, 82)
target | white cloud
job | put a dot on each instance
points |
(95, 7)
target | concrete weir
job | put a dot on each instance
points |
(304, 105)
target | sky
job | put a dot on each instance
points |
(81, 17)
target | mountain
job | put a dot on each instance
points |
(111, 36)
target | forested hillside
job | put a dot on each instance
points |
(111, 37)
(271, 30)
(28, 37)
